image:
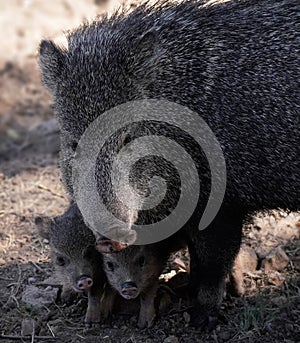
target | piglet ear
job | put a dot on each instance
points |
(106, 245)
(52, 62)
(44, 225)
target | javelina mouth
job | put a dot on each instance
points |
(129, 297)
(129, 290)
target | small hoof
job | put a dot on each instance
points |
(91, 325)
(203, 320)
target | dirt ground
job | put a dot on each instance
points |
(30, 185)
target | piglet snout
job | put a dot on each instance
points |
(129, 290)
(84, 282)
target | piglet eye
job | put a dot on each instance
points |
(110, 266)
(142, 261)
(60, 260)
(88, 254)
(74, 145)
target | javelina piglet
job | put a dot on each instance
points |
(234, 63)
(78, 264)
(134, 272)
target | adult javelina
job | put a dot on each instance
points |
(236, 64)
(77, 263)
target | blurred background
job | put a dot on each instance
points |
(30, 185)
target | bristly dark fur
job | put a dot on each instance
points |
(235, 63)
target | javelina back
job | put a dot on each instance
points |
(77, 263)
(234, 63)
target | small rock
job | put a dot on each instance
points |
(277, 259)
(38, 298)
(186, 317)
(296, 262)
(224, 335)
(275, 278)
(171, 339)
(27, 327)
(262, 251)
(31, 280)
(279, 301)
(289, 327)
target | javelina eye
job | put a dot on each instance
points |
(60, 260)
(88, 254)
(74, 145)
(142, 261)
(110, 266)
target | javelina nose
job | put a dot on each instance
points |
(84, 282)
(129, 290)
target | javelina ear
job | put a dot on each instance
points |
(43, 224)
(107, 246)
(51, 60)
(147, 43)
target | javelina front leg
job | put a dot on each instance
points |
(236, 285)
(213, 251)
(107, 301)
(147, 311)
(93, 313)
(100, 304)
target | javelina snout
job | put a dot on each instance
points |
(129, 290)
(84, 282)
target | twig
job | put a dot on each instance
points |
(36, 266)
(15, 338)
(33, 332)
(4, 279)
(50, 329)
(40, 186)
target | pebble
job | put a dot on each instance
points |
(277, 260)
(31, 280)
(27, 327)
(224, 335)
(38, 298)
(171, 339)
(186, 317)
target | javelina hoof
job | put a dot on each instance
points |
(90, 325)
(146, 321)
(203, 319)
(92, 319)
